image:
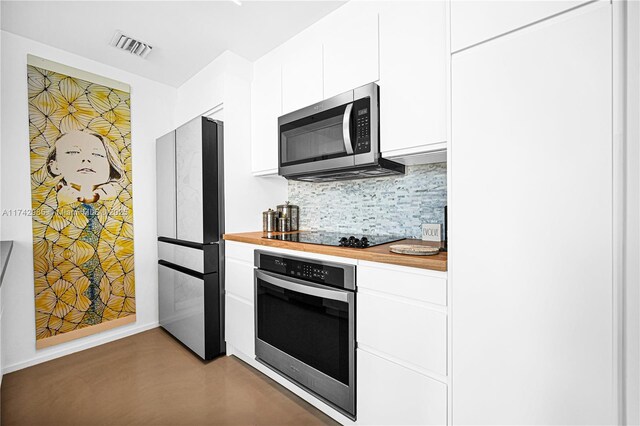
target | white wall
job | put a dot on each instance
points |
(152, 115)
(632, 278)
(227, 81)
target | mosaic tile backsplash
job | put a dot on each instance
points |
(392, 205)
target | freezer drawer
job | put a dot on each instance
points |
(199, 258)
(191, 308)
(181, 307)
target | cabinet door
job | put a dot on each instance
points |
(532, 143)
(413, 77)
(350, 48)
(189, 181)
(166, 184)
(476, 21)
(239, 279)
(389, 394)
(406, 331)
(266, 107)
(240, 325)
(301, 73)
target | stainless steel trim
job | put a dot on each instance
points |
(346, 133)
(349, 270)
(304, 287)
(341, 99)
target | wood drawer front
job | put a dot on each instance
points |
(389, 394)
(406, 331)
(239, 325)
(239, 251)
(239, 279)
(411, 283)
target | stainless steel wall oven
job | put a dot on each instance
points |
(305, 324)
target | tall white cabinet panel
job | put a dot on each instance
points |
(166, 184)
(476, 21)
(301, 73)
(350, 48)
(189, 181)
(390, 394)
(413, 76)
(266, 107)
(531, 144)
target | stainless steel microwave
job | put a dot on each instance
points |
(336, 139)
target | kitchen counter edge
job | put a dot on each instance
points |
(379, 253)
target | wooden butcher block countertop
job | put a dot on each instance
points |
(379, 253)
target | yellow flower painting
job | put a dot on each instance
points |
(80, 147)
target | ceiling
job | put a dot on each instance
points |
(185, 35)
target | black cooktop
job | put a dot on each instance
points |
(334, 239)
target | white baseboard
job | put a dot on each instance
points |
(86, 343)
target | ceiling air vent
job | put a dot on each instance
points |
(131, 45)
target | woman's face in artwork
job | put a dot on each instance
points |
(81, 159)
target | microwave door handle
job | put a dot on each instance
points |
(346, 131)
(300, 286)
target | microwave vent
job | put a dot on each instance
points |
(130, 44)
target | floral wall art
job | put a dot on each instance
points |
(81, 188)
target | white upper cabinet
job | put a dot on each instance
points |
(473, 22)
(266, 107)
(413, 77)
(350, 37)
(532, 135)
(301, 72)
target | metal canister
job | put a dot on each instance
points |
(284, 224)
(292, 212)
(269, 221)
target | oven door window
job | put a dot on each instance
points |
(314, 138)
(312, 329)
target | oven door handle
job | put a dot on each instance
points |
(303, 287)
(346, 129)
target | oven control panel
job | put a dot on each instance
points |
(304, 270)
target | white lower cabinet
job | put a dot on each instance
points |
(389, 325)
(239, 279)
(239, 325)
(390, 394)
(402, 358)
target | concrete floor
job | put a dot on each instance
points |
(149, 379)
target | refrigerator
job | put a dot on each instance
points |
(190, 202)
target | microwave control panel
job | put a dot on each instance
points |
(363, 126)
